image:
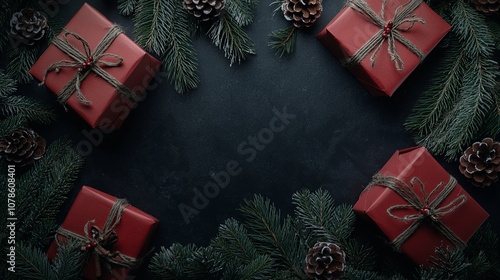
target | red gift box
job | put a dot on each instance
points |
(350, 30)
(416, 168)
(108, 107)
(134, 230)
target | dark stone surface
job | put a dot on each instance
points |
(172, 143)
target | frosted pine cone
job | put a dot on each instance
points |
(302, 13)
(487, 6)
(204, 10)
(23, 147)
(481, 162)
(325, 261)
(28, 26)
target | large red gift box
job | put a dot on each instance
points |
(458, 212)
(134, 230)
(108, 107)
(350, 30)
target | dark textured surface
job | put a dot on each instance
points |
(171, 143)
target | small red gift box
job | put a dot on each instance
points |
(108, 106)
(349, 31)
(429, 207)
(94, 211)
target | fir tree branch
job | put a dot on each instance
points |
(227, 35)
(180, 56)
(10, 124)
(31, 109)
(43, 189)
(263, 221)
(32, 263)
(151, 24)
(205, 263)
(21, 59)
(233, 242)
(69, 261)
(241, 10)
(127, 7)
(7, 85)
(283, 40)
(171, 263)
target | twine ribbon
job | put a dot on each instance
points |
(85, 63)
(100, 241)
(389, 30)
(428, 207)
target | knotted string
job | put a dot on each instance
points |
(428, 206)
(85, 63)
(100, 241)
(390, 31)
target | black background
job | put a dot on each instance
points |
(171, 143)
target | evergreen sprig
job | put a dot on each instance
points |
(283, 40)
(166, 28)
(461, 105)
(238, 252)
(229, 36)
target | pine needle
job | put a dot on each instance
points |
(283, 40)
(241, 10)
(227, 35)
(21, 59)
(29, 108)
(127, 7)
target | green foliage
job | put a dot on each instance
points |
(461, 104)
(32, 263)
(29, 108)
(10, 124)
(166, 28)
(21, 59)
(283, 40)
(241, 10)
(229, 36)
(127, 7)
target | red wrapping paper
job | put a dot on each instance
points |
(349, 30)
(406, 164)
(108, 106)
(134, 230)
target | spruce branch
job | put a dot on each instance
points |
(10, 124)
(127, 7)
(234, 243)
(241, 10)
(171, 263)
(180, 56)
(7, 85)
(21, 59)
(263, 222)
(31, 109)
(44, 188)
(69, 261)
(227, 35)
(283, 40)
(151, 24)
(32, 263)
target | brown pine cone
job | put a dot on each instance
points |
(481, 162)
(302, 13)
(28, 26)
(22, 147)
(204, 10)
(325, 261)
(487, 6)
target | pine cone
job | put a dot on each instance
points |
(204, 10)
(487, 6)
(28, 26)
(325, 261)
(23, 147)
(481, 162)
(302, 13)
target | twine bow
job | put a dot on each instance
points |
(389, 30)
(85, 63)
(100, 241)
(428, 207)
